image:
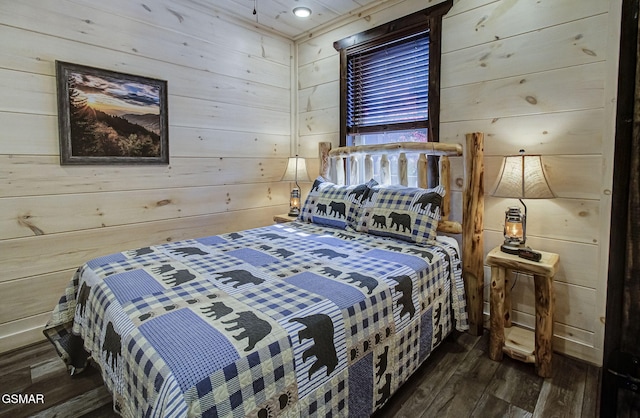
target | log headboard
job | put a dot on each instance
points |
(357, 164)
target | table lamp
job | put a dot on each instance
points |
(296, 170)
(521, 177)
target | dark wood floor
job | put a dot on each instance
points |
(459, 380)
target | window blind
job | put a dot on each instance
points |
(388, 84)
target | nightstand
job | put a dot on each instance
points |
(519, 343)
(284, 218)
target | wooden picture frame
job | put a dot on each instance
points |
(107, 117)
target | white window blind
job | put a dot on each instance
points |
(388, 85)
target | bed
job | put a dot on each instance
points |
(324, 316)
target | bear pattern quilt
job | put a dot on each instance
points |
(287, 320)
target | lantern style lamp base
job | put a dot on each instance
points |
(510, 248)
(515, 227)
(294, 202)
(294, 212)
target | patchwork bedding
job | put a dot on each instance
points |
(287, 320)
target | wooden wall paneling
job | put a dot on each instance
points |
(575, 176)
(18, 300)
(320, 72)
(201, 113)
(319, 96)
(187, 18)
(573, 43)
(573, 303)
(308, 145)
(28, 133)
(567, 133)
(24, 331)
(321, 121)
(567, 333)
(503, 19)
(49, 214)
(575, 88)
(212, 142)
(193, 83)
(43, 175)
(70, 21)
(27, 93)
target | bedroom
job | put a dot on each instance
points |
(242, 99)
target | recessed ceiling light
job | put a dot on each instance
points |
(302, 11)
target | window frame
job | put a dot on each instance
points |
(427, 19)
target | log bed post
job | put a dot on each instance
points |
(472, 230)
(325, 164)
(445, 181)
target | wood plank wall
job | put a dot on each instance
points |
(229, 88)
(538, 75)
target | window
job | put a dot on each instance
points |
(389, 80)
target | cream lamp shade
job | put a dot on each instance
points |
(296, 170)
(522, 177)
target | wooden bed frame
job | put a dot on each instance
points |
(433, 158)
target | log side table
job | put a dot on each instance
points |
(284, 218)
(522, 344)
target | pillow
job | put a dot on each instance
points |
(333, 205)
(406, 213)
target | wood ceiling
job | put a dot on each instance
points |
(277, 15)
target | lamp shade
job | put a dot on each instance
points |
(296, 170)
(522, 177)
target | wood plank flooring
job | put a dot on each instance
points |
(459, 380)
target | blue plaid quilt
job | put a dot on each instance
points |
(287, 320)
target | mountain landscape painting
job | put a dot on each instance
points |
(109, 117)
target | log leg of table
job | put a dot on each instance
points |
(544, 324)
(496, 338)
(507, 298)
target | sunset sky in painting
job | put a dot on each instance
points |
(117, 97)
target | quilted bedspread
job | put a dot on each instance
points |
(287, 320)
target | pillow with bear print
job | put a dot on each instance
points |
(333, 205)
(406, 213)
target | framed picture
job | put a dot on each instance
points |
(106, 117)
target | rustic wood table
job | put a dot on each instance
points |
(522, 344)
(284, 218)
